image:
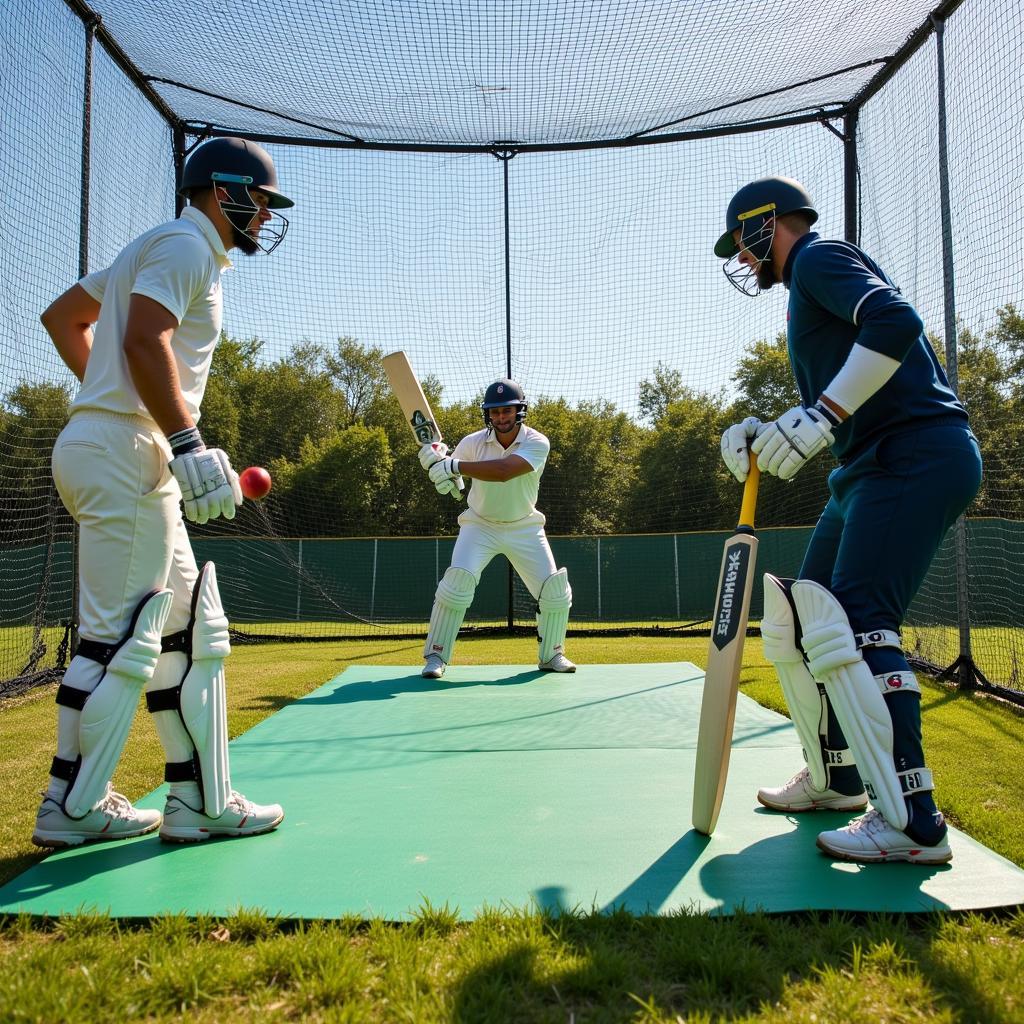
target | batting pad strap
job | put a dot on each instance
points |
(840, 758)
(879, 638)
(163, 700)
(180, 771)
(916, 780)
(62, 768)
(897, 682)
(71, 697)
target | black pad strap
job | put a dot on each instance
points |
(180, 641)
(163, 700)
(180, 771)
(97, 650)
(60, 768)
(71, 697)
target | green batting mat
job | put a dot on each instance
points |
(501, 786)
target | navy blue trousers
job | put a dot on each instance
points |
(890, 508)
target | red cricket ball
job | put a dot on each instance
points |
(255, 482)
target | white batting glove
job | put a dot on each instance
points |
(431, 453)
(453, 486)
(445, 469)
(788, 443)
(735, 444)
(209, 486)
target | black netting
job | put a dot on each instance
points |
(611, 310)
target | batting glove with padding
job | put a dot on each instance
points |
(431, 453)
(209, 486)
(445, 469)
(735, 444)
(786, 445)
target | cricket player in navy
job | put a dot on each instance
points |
(505, 461)
(140, 336)
(873, 391)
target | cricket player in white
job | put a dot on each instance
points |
(150, 619)
(505, 461)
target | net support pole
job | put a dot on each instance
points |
(851, 193)
(179, 146)
(964, 665)
(91, 24)
(506, 156)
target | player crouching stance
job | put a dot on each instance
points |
(873, 391)
(505, 461)
(127, 460)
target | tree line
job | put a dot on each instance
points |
(324, 422)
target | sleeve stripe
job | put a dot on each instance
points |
(856, 309)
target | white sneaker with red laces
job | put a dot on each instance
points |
(799, 795)
(870, 839)
(114, 817)
(241, 817)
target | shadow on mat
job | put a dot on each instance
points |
(388, 689)
(69, 867)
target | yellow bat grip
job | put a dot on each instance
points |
(750, 494)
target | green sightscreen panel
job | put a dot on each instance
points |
(502, 786)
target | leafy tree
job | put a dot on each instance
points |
(590, 470)
(338, 484)
(765, 380)
(680, 482)
(658, 394)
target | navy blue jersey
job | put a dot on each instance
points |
(838, 295)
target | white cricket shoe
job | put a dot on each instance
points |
(558, 662)
(113, 818)
(870, 839)
(434, 667)
(799, 795)
(241, 817)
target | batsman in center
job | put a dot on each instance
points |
(504, 461)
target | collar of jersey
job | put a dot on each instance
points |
(492, 437)
(787, 270)
(201, 221)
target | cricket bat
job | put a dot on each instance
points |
(414, 403)
(725, 660)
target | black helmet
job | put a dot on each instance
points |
(501, 393)
(229, 160)
(753, 205)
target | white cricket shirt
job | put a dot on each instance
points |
(510, 500)
(177, 264)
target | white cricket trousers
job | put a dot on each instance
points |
(112, 473)
(523, 543)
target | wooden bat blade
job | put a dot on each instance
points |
(415, 406)
(725, 660)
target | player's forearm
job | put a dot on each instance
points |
(494, 470)
(73, 343)
(155, 376)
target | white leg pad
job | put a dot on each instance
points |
(204, 709)
(454, 595)
(107, 714)
(778, 638)
(554, 603)
(835, 660)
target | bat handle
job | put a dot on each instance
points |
(750, 494)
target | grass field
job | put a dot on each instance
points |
(519, 965)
